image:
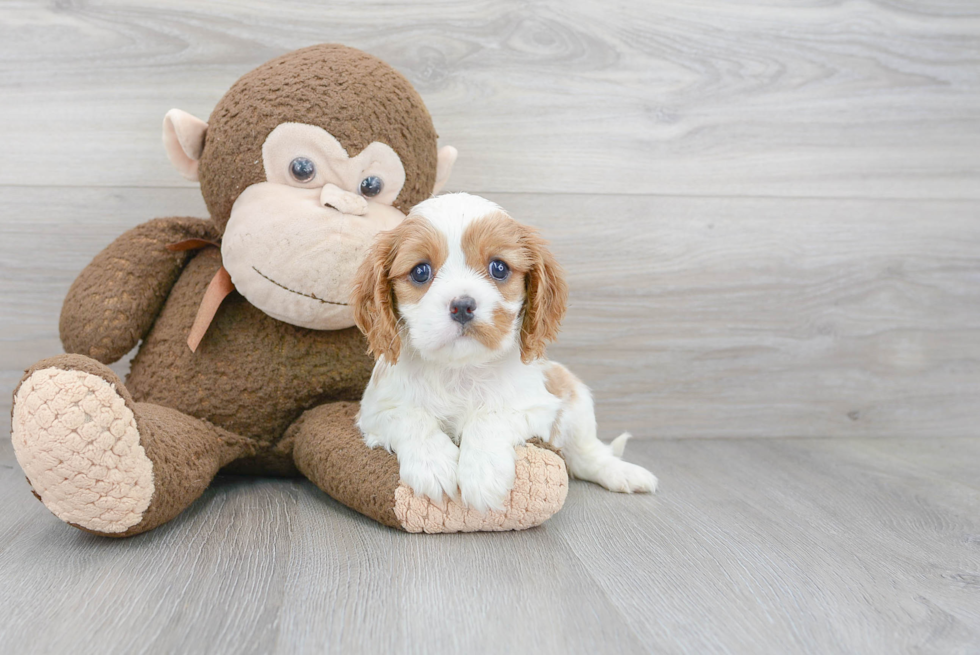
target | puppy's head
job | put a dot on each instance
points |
(463, 282)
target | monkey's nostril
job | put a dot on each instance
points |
(327, 204)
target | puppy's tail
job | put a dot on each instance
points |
(618, 444)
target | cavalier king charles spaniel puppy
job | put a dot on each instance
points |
(458, 303)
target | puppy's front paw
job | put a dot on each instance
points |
(627, 478)
(429, 467)
(486, 478)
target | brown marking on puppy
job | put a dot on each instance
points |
(406, 291)
(560, 382)
(546, 299)
(418, 242)
(382, 281)
(498, 236)
(373, 300)
(492, 333)
(512, 289)
(555, 427)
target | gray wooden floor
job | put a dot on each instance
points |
(753, 545)
(770, 216)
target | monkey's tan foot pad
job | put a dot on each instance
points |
(78, 443)
(540, 488)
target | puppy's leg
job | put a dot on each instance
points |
(427, 457)
(590, 459)
(487, 456)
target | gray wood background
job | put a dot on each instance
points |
(770, 216)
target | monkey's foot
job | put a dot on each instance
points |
(540, 488)
(76, 438)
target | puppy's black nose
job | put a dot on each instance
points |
(461, 309)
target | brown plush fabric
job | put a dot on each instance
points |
(186, 452)
(354, 96)
(257, 389)
(73, 362)
(251, 374)
(538, 442)
(328, 450)
(113, 303)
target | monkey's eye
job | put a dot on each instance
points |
(302, 169)
(371, 186)
(499, 270)
(421, 273)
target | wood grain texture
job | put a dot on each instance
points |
(769, 217)
(689, 317)
(788, 546)
(865, 99)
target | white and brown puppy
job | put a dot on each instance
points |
(458, 303)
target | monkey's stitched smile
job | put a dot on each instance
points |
(298, 293)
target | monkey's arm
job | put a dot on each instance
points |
(114, 301)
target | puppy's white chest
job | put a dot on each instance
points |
(519, 399)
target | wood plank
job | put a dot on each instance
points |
(689, 317)
(846, 99)
(790, 546)
(507, 592)
(215, 576)
(785, 546)
(784, 297)
(273, 565)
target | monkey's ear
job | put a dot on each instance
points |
(183, 138)
(444, 166)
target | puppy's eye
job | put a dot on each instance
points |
(421, 273)
(499, 270)
(371, 186)
(302, 169)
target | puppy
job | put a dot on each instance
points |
(458, 303)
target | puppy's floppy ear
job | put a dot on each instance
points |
(546, 298)
(373, 299)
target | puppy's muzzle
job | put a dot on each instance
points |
(462, 309)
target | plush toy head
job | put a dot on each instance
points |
(301, 164)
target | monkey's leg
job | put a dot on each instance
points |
(329, 450)
(106, 464)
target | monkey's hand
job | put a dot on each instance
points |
(114, 301)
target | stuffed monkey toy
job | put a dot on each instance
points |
(248, 361)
